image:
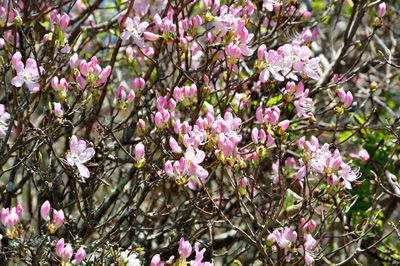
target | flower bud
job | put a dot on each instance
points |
(139, 151)
(80, 255)
(381, 9)
(156, 260)
(45, 210)
(59, 113)
(58, 217)
(141, 125)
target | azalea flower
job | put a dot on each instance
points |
(79, 155)
(129, 260)
(28, 74)
(134, 28)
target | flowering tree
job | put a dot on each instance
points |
(157, 132)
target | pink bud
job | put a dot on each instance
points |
(45, 210)
(64, 21)
(139, 151)
(348, 100)
(168, 168)
(271, 239)
(263, 136)
(53, 17)
(250, 8)
(157, 20)
(81, 82)
(185, 249)
(73, 61)
(193, 91)
(138, 84)
(16, 59)
(243, 182)
(174, 145)
(178, 94)
(84, 68)
(159, 120)
(197, 21)
(205, 78)
(254, 135)
(156, 260)
(285, 124)
(18, 211)
(67, 253)
(216, 6)
(259, 115)
(80, 255)
(105, 73)
(227, 148)
(302, 140)
(150, 36)
(54, 83)
(341, 94)
(207, 3)
(60, 246)
(381, 9)
(58, 217)
(11, 220)
(45, 38)
(262, 52)
(270, 140)
(4, 213)
(141, 124)
(131, 96)
(171, 105)
(130, 52)
(121, 94)
(59, 113)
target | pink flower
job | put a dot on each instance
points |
(73, 61)
(64, 21)
(45, 210)
(307, 227)
(79, 256)
(4, 116)
(185, 249)
(284, 238)
(65, 252)
(156, 260)
(93, 70)
(141, 125)
(58, 110)
(134, 28)
(346, 98)
(272, 66)
(79, 155)
(10, 218)
(381, 9)
(151, 36)
(139, 151)
(58, 217)
(28, 75)
(159, 120)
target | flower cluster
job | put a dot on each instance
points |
(10, 218)
(58, 217)
(322, 161)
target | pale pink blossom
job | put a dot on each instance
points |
(28, 74)
(80, 154)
